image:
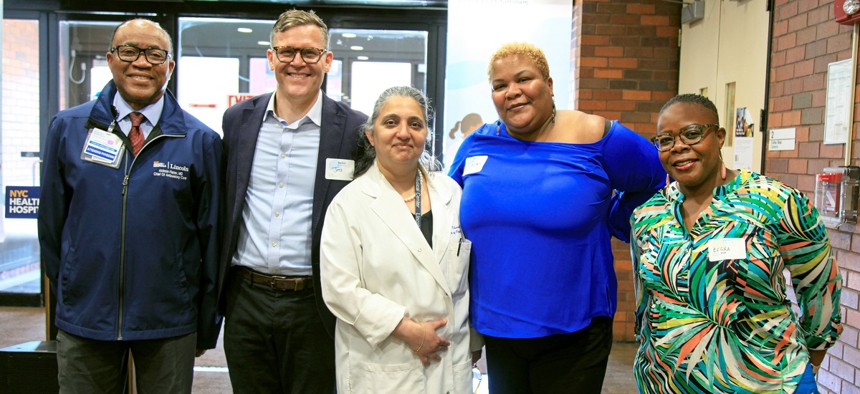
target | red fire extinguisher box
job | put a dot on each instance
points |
(843, 17)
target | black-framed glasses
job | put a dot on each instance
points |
(690, 135)
(130, 53)
(309, 55)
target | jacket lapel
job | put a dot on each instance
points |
(252, 120)
(441, 198)
(389, 207)
(331, 141)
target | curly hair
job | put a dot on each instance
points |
(525, 49)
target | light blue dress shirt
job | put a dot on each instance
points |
(275, 236)
(152, 113)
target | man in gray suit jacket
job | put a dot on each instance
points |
(288, 154)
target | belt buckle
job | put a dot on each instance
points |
(273, 280)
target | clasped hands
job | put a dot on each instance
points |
(422, 338)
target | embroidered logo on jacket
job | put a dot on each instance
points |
(170, 170)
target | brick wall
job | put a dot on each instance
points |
(20, 126)
(626, 56)
(805, 41)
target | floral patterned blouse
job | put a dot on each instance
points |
(712, 313)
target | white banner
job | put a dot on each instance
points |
(476, 29)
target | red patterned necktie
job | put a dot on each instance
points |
(135, 135)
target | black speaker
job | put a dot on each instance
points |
(29, 368)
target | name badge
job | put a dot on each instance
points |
(339, 169)
(103, 147)
(474, 164)
(727, 249)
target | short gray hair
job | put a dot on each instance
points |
(293, 18)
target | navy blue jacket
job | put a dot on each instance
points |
(132, 252)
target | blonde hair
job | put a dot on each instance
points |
(524, 49)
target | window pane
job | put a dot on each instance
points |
(19, 134)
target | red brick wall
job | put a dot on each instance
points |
(626, 66)
(805, 41)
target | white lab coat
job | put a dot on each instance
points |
(376, 267)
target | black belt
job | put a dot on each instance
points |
(277, 282)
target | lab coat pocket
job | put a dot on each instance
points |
(368, 377)
(458, 265)
(463, 377)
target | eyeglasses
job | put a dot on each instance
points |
(309, 55)
(690, 135)
(130, 53)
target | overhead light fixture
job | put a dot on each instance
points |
(245, 30)
(356, 48)
(348, 35)
(264, 43)
(362, 58)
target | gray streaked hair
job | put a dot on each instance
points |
(366, 154)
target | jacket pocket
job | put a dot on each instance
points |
(458, 265)
(368, 377)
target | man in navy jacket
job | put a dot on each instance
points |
(128, 225)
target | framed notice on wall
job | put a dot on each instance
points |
(836, 127)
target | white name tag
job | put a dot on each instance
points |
(726, 249)
(339, 169)
(103, 148)
(474, 164)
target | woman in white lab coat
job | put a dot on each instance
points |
(395, 263)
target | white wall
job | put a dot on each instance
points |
(729, 45)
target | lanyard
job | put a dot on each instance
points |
(418, 198)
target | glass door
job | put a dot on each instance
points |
(223, 61)
(20, 274)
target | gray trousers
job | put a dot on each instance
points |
(160, 365)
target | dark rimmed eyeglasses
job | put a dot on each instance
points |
(130, 54)
(690, 135)
(309, 55)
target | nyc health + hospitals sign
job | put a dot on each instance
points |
(22, 202)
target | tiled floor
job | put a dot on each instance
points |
(19, 325)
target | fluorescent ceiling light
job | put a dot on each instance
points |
(348, 35)
(263, 43)
(356, 48)
(244, 30)
(362, 58)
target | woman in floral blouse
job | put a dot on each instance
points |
(709, 253)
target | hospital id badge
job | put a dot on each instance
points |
(103, 147)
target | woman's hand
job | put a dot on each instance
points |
(422, 338)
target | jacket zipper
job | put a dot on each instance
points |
(125, 180)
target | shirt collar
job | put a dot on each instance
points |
(673, 191)
(152, 112)
(314, 115)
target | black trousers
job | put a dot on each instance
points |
(565, 363)
(91, 366)
(275, 341)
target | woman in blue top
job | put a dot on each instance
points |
(543, 191)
